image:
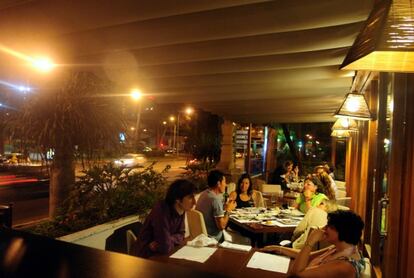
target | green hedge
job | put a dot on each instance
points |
(105, 193)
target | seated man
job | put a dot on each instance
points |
(210, 204)
(163, 229)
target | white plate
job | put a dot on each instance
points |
(270, 223)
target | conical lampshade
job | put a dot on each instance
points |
(386, 43)
(340, 133)
(345, 124)
(355, 107)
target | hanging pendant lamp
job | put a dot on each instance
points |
(341, 133)
(345, 124)
(355, 107)
(386, 43)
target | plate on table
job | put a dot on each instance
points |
(295, 212)
(270, 223)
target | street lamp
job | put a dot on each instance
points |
(172, 119)
(188, 111)
(43, 64)
(136, 95)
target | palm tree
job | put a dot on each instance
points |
(75, 118)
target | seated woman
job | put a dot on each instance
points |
(343, 259)
(315, 218)
(311, 196)
(328, 184)
(286, 174)
(244, 195)
(163, 229)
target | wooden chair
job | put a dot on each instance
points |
(117, 241)
(196, 225)
(367, 271)
(340, 185)
(344, 201)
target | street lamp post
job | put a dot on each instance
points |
(172, 119)
(136, 95)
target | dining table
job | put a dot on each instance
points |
(259, 223)
(226, 262)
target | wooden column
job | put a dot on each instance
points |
(226, 163)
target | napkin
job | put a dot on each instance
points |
(240, 247)
(202, 240)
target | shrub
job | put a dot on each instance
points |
(105, 193)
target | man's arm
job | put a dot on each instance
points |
(222, 220)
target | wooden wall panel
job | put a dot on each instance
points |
(372, 156)
(397, 189)
(406, 266)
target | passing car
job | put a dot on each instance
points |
(147, 149)
(131, 160)
(171, 151)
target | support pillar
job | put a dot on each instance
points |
(226, 163)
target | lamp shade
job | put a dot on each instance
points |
(355, 107)
(386, 42)
(341, 133)
(345, 124)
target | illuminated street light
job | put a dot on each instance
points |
(43, 64)
(136, 94)
(189, 110)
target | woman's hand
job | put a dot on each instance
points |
(296, 171)
(271, 249)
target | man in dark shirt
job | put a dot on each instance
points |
(163, 229)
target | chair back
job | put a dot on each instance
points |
(131, 240)
(231, 187)
(117, 241)
(196, 225)
(270, 188)
(344, 201)
(340, 194)
(367, 271)
(340, 185)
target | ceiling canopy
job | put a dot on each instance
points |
(247, 60)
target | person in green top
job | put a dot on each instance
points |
(311, 196)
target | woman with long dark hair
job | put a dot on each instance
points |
(245, 195)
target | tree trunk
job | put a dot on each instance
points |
(62, 179)
(292, 147)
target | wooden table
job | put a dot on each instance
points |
(258, 233)
(27, 255)
(226, 262)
